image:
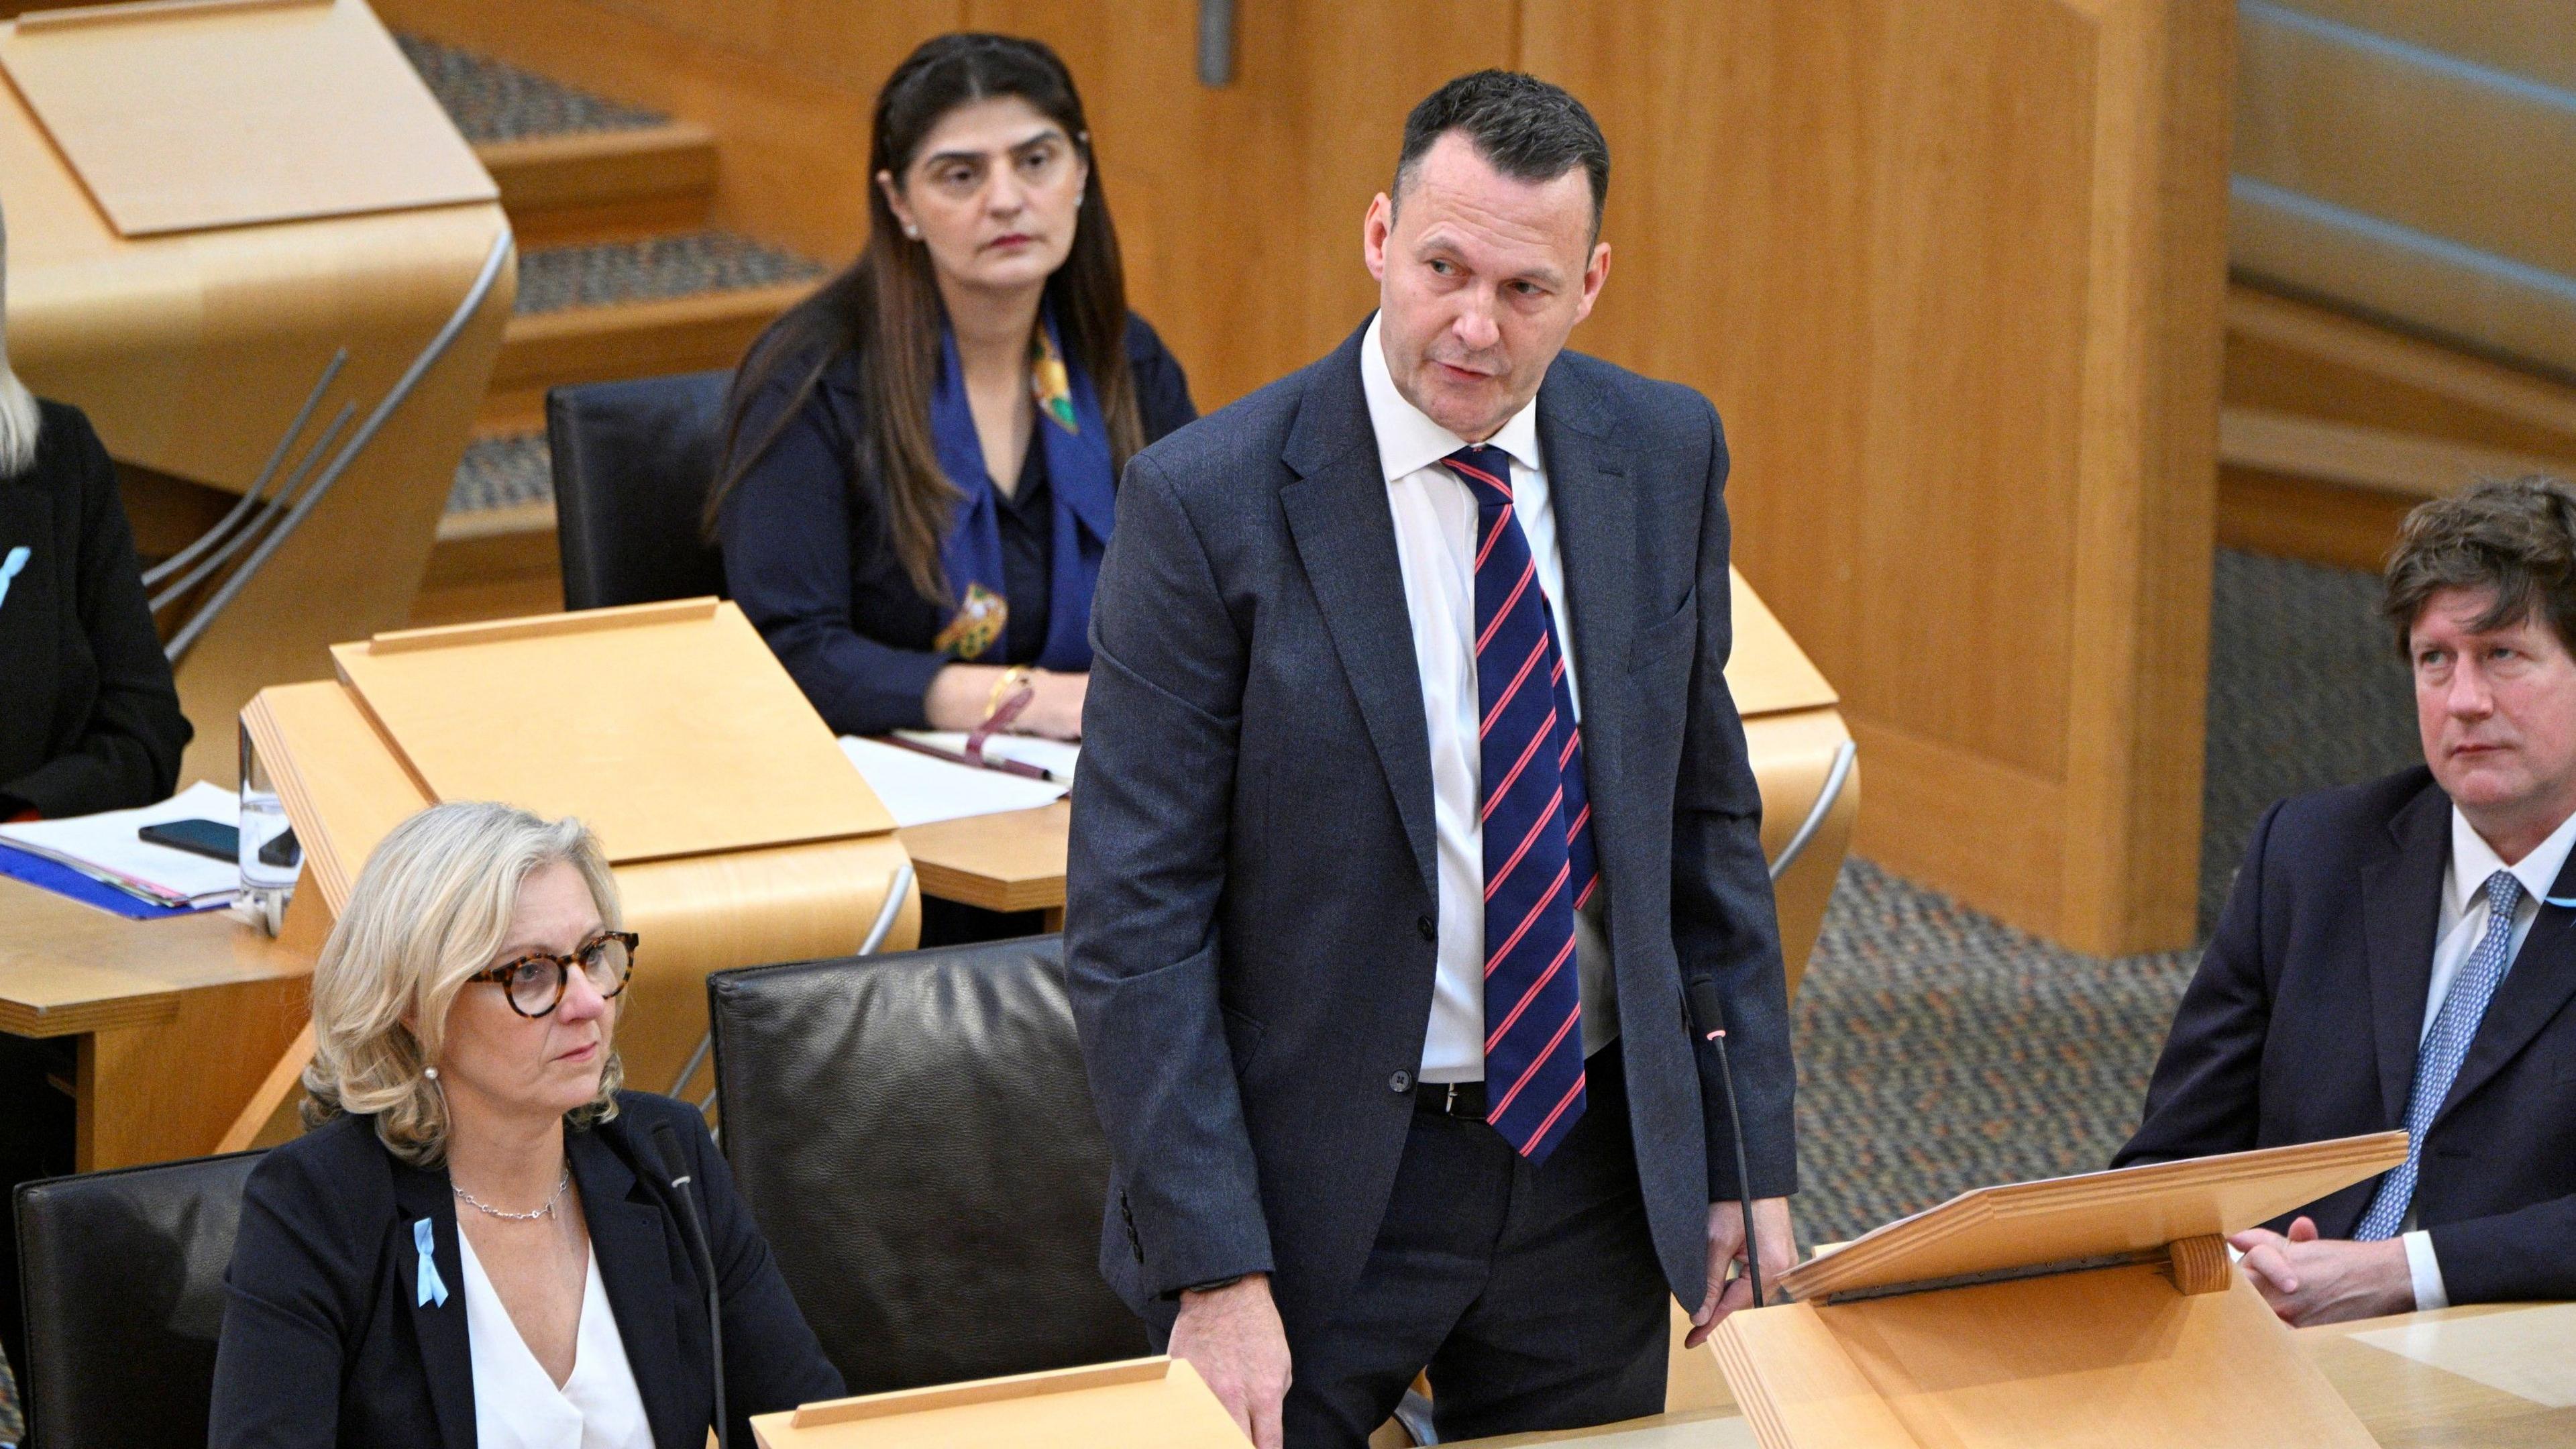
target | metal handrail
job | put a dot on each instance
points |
(394, 398)
(268, 470)
(259, 527)
(1835, 774)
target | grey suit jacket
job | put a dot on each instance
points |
(1250, 905)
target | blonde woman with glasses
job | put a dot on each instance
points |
(477, 1242)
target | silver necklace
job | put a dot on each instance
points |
(485, 1208)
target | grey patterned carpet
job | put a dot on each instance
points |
(1940, 1050)
(491, 100)
(2305, 691)
(503, 473)
(656, 268)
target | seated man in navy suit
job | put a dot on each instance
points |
(2400, 953)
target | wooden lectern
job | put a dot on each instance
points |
(738, 831)
(2093, 1310)
(206, 201)
(1145, 1403)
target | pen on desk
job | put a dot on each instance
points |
(1021, 768)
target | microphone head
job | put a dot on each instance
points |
(675, 1163)
(1707, 1008)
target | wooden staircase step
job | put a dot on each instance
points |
(637, 339)
(589, 186)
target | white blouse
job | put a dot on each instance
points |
(516, 1402)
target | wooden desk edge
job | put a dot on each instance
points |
(150, 1008)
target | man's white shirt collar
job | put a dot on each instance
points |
(1408, 440)
(2473, 860)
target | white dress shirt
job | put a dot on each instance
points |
(1435, 542)
(2463, 923)
(516, 1402)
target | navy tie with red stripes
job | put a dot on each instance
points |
(1539, 863)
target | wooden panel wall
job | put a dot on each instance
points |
(1952, 272)
(1239, 208)
(1953, 276)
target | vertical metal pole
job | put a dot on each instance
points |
(1216, 42)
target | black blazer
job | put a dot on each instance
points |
(1251, 901)
(92, 720)
(807, 555)
(325, 1341)
(2301, 1025)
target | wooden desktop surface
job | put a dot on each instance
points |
(67, 968)
(2404, 1403)
(1013, 861)
(176, 1021)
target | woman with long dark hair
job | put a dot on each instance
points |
(922, 457)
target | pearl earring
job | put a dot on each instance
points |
(912, 231)
(432, 1074)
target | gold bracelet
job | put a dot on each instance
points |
(1012, 678)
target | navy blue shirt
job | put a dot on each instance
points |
(808, 557)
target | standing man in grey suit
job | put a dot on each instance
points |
(1412, 796)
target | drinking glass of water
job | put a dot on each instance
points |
(270, 855)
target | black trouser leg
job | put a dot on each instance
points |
(1532, 1295)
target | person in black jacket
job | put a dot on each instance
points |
(478, 1243)
(89, 719)
(922, 458)
(2402, 953)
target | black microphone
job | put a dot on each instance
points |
(675, 1166)
(1708, 1016)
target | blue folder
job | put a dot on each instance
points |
(62, 880)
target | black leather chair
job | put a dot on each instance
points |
(915, 1136)
(124, 1279)
(633, 462)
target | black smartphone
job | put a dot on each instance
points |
(208, 838)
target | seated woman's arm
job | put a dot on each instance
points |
(1163, 402)
(786, 528)
(277, 1364)
(127, 754)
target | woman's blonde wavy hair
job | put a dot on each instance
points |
(430, 909)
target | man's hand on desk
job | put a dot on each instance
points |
(1232, 1336)
(1726, 1247)
(2309, 1280)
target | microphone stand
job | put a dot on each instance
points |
(675, 1167)
(1708, 1014)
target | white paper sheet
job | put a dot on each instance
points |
(2524, 1351)
(918, 789)
(107, 842)
(1058, 757)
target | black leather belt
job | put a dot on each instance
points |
(1450, 1099)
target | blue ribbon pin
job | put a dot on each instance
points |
(433, 1289)
(10, 566)
(2559, 900)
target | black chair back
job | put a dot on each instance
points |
(633, 461)
(124, 1279)
(915, 1137)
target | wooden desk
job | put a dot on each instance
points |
(1013, 861)
(178, 1021)
(2405, 1404)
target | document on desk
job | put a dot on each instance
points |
(2522, 1351)
(918, 789)
(105, 847)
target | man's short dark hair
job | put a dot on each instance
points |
(1524, 127)
(2515, 539)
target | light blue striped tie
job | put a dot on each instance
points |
(2437, 1061)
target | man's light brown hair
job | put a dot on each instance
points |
(2515, 539)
